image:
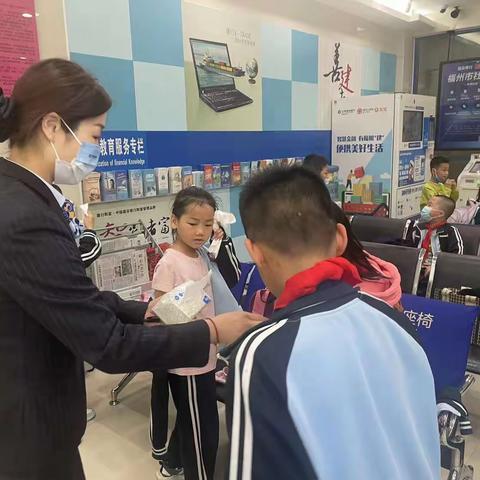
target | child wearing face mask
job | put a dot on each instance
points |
(439, 184)
(434, 234)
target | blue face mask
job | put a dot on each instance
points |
(426, 214)
(85, 162)
(436, 178)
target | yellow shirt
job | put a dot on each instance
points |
(430, 189)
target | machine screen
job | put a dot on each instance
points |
(412, 126)
(475, 168)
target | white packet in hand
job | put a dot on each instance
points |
(220, 218)
(184, 302)
(84, 208)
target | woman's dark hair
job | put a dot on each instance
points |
(315, 163)
(354, 252)
(53, 85)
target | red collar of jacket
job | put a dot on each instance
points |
(307, 282)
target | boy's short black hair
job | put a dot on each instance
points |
(288, 209)
(436, 161)
(447, 205)
(315, 162)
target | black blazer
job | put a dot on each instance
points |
(52, 318)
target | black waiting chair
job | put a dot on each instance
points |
(407, 260)
(378, 229)
(450, 270)
(471, 238)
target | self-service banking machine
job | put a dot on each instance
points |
(469, 181)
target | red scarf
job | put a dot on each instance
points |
(307, 282)
(426, 241)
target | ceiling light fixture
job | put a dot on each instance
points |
(402, 6)
(27, 15)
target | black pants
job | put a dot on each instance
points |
(194, 441)
(62, 466)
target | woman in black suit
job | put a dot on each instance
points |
(52, 317)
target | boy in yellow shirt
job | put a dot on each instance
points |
(440, 184)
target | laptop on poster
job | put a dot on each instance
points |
(216, 76)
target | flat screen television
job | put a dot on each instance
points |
(458, 106)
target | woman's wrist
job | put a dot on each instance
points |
(214, 337)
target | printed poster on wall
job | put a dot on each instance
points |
(411, 167)
(362, 147)
(18, 41)
(223, 86)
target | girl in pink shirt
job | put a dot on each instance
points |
(194, 441)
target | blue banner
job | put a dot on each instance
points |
(445, 330)
(123, 151)
(130, 150)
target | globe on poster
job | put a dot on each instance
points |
(252, 70)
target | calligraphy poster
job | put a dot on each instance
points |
(340, 74)
(18, 40)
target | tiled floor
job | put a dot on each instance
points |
(116, 445)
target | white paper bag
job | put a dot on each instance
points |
(184, 302)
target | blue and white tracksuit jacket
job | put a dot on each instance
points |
(334, 387)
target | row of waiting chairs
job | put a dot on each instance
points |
(393, 230)
(449, 270)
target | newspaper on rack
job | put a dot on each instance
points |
(122, 243)
(134, 293)
(115, 271)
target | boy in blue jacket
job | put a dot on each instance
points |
(335, 385)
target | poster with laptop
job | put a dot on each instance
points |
(222, 71)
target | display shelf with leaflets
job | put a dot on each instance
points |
(127, 262)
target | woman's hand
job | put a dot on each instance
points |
(89, 221)
(150, 313)
(230, 326)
